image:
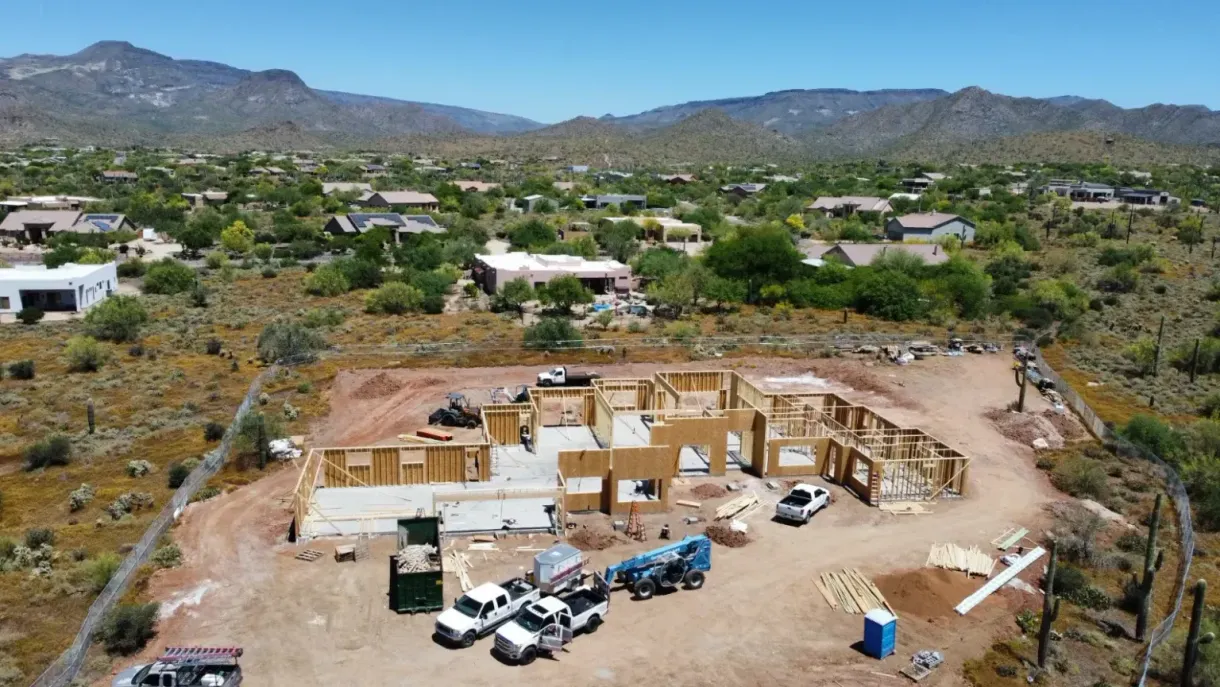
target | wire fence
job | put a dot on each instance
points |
(64, 669)
(1173, 485)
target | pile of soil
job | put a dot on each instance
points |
(379, 385)
(927, 592)
(1023, 428)
(723, 535)
(1067, 425)
(587, 539)
(709, 491)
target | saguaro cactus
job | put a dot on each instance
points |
(1022, 377)
(90, 416)
(1153, 559)
(1193, 640)
(1050, 609)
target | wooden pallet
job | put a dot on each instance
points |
(916, 672)
(308, 555)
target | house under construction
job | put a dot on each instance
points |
(617, 443)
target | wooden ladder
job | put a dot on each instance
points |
(362, 539)
(635, 524)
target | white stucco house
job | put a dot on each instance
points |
(927, 227)
(68, 288)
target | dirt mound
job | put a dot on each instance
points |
(709, 491)
(1067, 425)
(379, 385)
(927, 592)
(587, 539)
(723, 535)
(1023, 428)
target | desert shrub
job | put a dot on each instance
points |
(168, 277)
(128, 627)
(316, 318)
(291, 412)
(270, 273)
(215, 260)
(35, 537)
(207, 492)
(1153, 434)
(139, 468)
(1088, 597)
(1028, 621)
(129, 503)
(54, 450)
(1069, 578)
(117, 318)
(168, 556)
(288, 341)
(22, 369)
(136, 350)
(552, 333)
(213, 431)
(1081, 477)
(80, 497)
(1131, 542)
(394, 298)
(85, 354)
(130, 269)
(99, 570)
(305, 387)
(1120, 279)
(30, 315)
(177, 475)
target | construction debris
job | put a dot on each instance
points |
(482, 546)
(308, 555)
(922, 664)
(998, 581)
(689, 504)
(904, 508)
(418, 558)
(1009, 537)
(971, 561)
(460, 565)
(737, 505)
(851, 591)
(709, 491)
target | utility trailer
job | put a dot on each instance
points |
(413, 592)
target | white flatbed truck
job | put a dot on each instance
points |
(550, 623)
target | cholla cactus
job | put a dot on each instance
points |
(139, 468)
(80, 497)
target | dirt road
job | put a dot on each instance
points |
(759, 619)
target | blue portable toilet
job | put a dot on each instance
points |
(880, 633)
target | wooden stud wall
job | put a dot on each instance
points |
(665, 394)
(403, 465)
(821, 451)
(585, 463)
(502, 422)
(306, 482)
(677, 432)
(746, 395)
(603, 419)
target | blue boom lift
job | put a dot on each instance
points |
(682, 562)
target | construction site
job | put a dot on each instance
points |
(924, 495)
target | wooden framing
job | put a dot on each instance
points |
(402, 464)
(502, 422)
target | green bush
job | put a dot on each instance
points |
(1088, 597)
(128, 627)
(168, 556)
(52, 451)
(117, 318)
(177, 475)
(99, 570)
(168, 277)
(1132, 542)
(288, 341)
(1153, 434)
(324, 317)
(215, 260)
(131, 269)
(269, 272)
(213, 431)
(30, 315)
(1081, 477)
(22, 369)
(207, 492)
(394, 298)
(35, 537)
(1069, 578)
(85, 354)
(552, 333)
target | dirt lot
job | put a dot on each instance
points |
(759, 619)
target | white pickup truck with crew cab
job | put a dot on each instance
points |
(802, 502)
(483, 609)
(549, 623)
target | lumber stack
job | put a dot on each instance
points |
(416, 558)
(971, 561)
(851, 591)
(738, 505)
(461, 566)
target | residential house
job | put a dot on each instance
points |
(659, 228)
(373, 169)
(677, 179)
(363, 189)
(492, 272)
(67, 288)
(611, 175)
(47, 202)
(267, 172)
(1145, 196)
(929, 226)
(843, 206)
(1081, 191)
(622, 200)
(934, 176)
(206, 198)
(564, 185)
(475, 186)
(783, 178)
(405, 199)
(743, 189)
(917, 184)
(35, 226)
(577, 169)
(530, 203)
(864, 254)
(118, 176)
(399, 225)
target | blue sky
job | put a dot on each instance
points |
(551, 60)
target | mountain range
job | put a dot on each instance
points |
(116, 93)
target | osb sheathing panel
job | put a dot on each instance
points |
(503, 422)
(746, 394)
(821, 449)
(603, 419)
(585, 463)
(675, 433)
(401, 465)
(584, 502)
(644, 462)
(740, 420)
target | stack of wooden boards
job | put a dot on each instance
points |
(460, 566)
(739, 507)
(971, 561)
(851, 591)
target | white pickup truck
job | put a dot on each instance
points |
(483, 609)
(550, 623)
(802, 502)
